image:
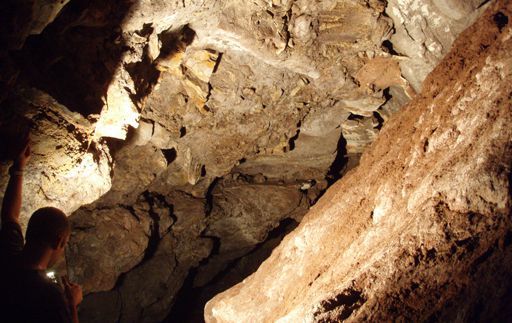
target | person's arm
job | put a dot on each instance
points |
(11, 204)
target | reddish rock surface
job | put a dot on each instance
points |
(422, 229)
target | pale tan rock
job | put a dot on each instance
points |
(67, 169)
(421, 229)
(143, 133)
(201, 64)
(119, 111)
(359, 134)
(425, 30)
(382, 72)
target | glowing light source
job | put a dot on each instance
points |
(52, 276)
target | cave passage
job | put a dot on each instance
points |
(194, 144)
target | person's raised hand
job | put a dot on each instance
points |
(23, 156)
(73, 292)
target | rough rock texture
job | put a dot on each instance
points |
(195, 116)
(147, 292)
(425, 30)
(242, 216)
(192, 299)
(67, 168)
(116, 234)
(421, 230)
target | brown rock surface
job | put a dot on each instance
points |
(242, 216)
(209, 123)
(147, 292)
(421, 230)
(116, 234)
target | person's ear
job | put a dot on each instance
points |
(59, 243)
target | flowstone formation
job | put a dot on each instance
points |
(421, 230)
(180, 135)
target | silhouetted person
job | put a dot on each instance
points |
(26, 293)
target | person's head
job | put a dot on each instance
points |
(49, 227)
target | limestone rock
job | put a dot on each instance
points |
(190, 304)
(425, 31)
(135, 169)
(310, 153)
(242, 216)
(116, 234)
(119, 111)
(359, 133)
(68, 169)
(421, 229)
(176, 100)
(147, 292)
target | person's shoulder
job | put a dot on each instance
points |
(10, 228)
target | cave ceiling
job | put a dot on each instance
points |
(179, 134)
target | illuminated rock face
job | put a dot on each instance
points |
(425, 30)
(188, 131)
(67, 169)
(421, 230)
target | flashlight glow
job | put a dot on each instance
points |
(51, 275)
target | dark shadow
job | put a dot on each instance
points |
(501, 20)
(170, 155)
(291, 141)
(12, 130)
(143, 73)
(75, 57)
(190, 301)
(388, 46)
(336, 170)
(379, 118)
(176, 41)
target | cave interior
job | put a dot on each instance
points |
(192, 141)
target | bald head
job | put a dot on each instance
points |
(47, 226)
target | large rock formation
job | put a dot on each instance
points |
(183, 132)
(68, 168)
(425, 30)
(421, 230)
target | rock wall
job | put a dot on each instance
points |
(425, 30)
(67, 168)
(421, 230)
(183, 132)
